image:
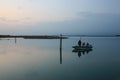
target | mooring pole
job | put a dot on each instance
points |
(60, 48)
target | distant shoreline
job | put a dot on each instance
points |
(53, 36)
(33, 36)
(92, 35)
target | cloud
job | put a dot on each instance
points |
(100, 22)
(26, 18)
(3, 19)
(94, 23)
(92, 14)
(6, 20)
(84, 13)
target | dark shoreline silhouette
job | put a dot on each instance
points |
(53, 36)
(92, 35)
(33, 36)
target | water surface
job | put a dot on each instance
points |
(42, 59)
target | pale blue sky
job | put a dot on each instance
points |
(59, 16)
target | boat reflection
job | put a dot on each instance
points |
(81, 52)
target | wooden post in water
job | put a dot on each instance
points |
(60, 48)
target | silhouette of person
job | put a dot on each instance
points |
(79, 42)
(83, 44)
(87, 44)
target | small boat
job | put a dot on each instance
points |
(81, 50)
(82, 47)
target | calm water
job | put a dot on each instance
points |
(44, 60)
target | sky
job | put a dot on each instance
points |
(59, 16)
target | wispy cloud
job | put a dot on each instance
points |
(14, 21)
(3, 19)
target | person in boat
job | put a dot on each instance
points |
(87, 44)
(83, 44)
(79, 42)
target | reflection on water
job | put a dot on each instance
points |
(60, 55)
(15, 40)
(80, 52)
(56, 59)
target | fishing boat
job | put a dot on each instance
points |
(83, 47)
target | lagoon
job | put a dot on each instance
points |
(42, 59)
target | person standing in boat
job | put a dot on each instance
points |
(79, 42)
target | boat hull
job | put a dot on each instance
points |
(82, 47)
